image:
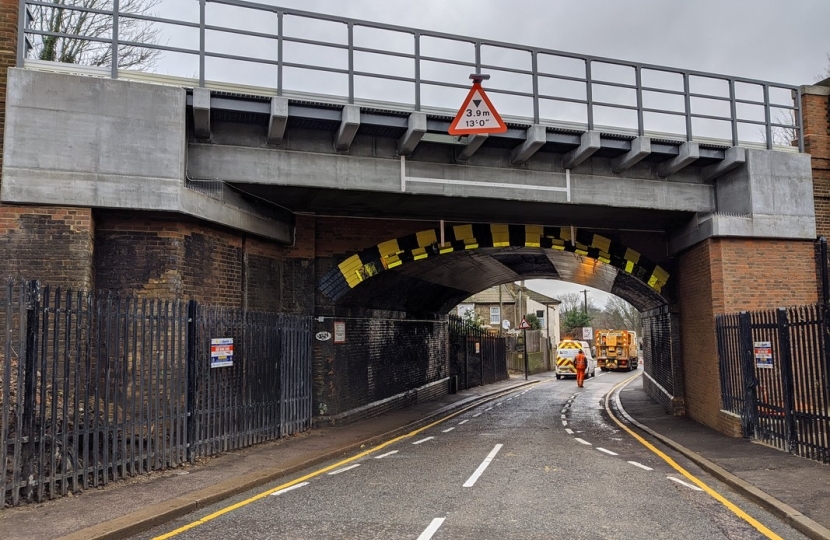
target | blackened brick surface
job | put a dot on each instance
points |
(380, 358)
(166, 256)
(53, 245)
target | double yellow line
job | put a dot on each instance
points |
(699, 483)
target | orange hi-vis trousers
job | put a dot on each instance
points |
(580, 377)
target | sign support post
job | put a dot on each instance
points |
(524, 325)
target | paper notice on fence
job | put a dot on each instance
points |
(763, 354)
(221, 352)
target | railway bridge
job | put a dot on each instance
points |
(317, 176)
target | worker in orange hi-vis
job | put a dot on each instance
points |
(580, 364)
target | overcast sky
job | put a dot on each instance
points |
(782, 41)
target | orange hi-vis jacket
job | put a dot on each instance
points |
(580, 362)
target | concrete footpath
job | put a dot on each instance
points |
(796, 489)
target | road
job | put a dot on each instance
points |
(543, 462)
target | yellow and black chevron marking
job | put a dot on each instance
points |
(414, 247)
(567, 364)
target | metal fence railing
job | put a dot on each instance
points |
(476, 357)
(775, 374)
(98, 388)
(233, 44)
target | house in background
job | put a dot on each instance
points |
(511, 302)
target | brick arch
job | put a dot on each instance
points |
(390, 254)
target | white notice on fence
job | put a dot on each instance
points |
(763, 354)
(221, 352)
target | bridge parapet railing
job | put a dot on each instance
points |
(261, 49)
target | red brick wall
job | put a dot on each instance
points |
(816, 121)
(725, 275)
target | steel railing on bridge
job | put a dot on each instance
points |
(278, 51)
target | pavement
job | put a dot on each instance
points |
(795, 489)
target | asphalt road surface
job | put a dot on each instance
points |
(542, 462)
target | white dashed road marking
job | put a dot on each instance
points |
(433, 527)
(569, 431)
(476, 415)
(344, 469)
(387, 454)
(481, 468)
(582, 441)
(461, 423)
(423, 440)
(641, 466)
(609, 452)
(295, 486)
(681, 482)
(447, 430)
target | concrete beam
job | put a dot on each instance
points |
(201, 113)
(474, 142)
(349, 123)
(735, 157)
(278, 120)
(416, 126)
(640, 149)
(535, 138)
(589, 143)
(689, 153)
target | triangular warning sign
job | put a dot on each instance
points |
(477, 115)
(524, 325)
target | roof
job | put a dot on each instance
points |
(541, 298)
(509, 294)
(491, 295)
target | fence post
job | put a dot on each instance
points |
(824, 271)
(29, 357)
(466, 360)
(190, 359)
(787, 376)
(749, 418)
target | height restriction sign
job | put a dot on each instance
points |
(477, 115)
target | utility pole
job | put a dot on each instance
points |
(585, 305)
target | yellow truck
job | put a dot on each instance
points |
(616, 349)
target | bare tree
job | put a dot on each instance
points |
(826, 73)
(788, 136)
(620, 315)
(78, 50)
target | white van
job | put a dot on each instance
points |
(565, 354)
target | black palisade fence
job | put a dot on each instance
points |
(774, 373)
(97, 388)
(476, 357)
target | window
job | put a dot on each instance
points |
(540, 313)
(495, 315)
